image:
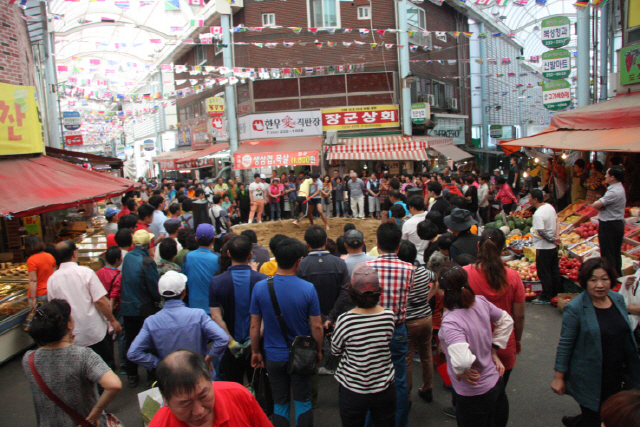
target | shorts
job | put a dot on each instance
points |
(315, 202)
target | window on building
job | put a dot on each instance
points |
(364, 12)
(268, 19)
(200, 54)
(439, 93)
(324, 13)
(416, 17)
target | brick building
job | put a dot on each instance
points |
(16, 58)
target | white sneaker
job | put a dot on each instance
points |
(325, 371)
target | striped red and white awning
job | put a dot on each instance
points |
(375, 139)
(363, 149)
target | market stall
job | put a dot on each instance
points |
(109, 165)
(210, 157)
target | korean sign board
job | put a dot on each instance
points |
(291, 158)
(215, 106)
(71, 120)
(73, 138)
(556, 32)
(20, 126)
(420, 112)
(360, 117)
(202, 162)
(629, 67)
(556, 95)
(495, 131)
(284, 124)
(556, 64)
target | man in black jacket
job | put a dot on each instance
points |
(460, 222)
(440, 204)
(329, 275)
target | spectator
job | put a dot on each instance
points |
(471, 196)
(396, 198)
(578, 190)
(270, 267)
(220, 220)
(232, 193)
(174, 210)
(145, 217)
(200, 266)
(208, 190)
(546, 241)
(470, 349)
(244, 203)
(291, 192)
(611, 209)
(68, 370)
(595, 183)
(438, 219)
(275, 193)
(339, 197)
(373, 196)
(329, 276)
(483, 198)
(622, 410)
(354, 243)
(341, 248)
(396, 279)
(188, 241)
(597, 351)
(505, 195)
(460, 223)
(302, 318)
(176, 327)
(398, 215)
(224, 260)
(111, 215)
(365, 373)
(327, 190)
(187, 215)
(444, 244)
(419, 322)
(260, 253)
(159, 218)
(257, 195)
(221, 187)
(84, 292)
(450, 189)
(385, 201)
(40, 266)
(139, 294)
(168, 250)
(356, 192)
(439, 203)
(171, 226)
(124, 241)
(410, 227)
(229, 300)
(428, 232)
(185, 382)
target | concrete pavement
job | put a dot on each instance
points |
(532, 403)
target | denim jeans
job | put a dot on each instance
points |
(339, 207)
(275, 210)
(399, 347)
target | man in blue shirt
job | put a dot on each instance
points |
(298, 300)
(200, 266)
(176, 327)
(229, 300)
(396, 198)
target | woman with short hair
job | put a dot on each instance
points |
(40, 265)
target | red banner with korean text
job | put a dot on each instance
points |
(20, 126)
(360, 117)
(290, 158)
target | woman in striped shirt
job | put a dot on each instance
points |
(419, 322)
(361, 337)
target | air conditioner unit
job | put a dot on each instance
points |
(452, 103)
(431, 100)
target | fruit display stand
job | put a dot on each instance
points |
(14, 309)
(569, 210)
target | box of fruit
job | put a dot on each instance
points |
(581, 250)
(526, 270)
(565, 228)
(576, 219)
(631, 230)
(571, 209)
(569, 267)
(586, 230)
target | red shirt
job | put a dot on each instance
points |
(112, 281)
(143, 226)
(123, 212)
(506, 196)
(504, 300)
(234, 407)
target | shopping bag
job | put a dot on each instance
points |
(150, 402)
(261, 390)
(561, 187)
(442, 370)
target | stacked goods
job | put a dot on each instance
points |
(529, 294)
(571, 238)
(587, 211)
(630, 230)
(635, 238)
(571, 209)
(526, 270)
(572, 219)
(14, 272)
(7, 289)
(626, 247)
(516, 225)
(569, 267)
(524, 214)
(587, 229)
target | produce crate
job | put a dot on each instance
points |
(631, 230)
(581, 219)
(581, 256)
(570, 209)
(566, 228)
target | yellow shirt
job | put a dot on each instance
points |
(269, 268)
(304, 188)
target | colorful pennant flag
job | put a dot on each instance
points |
(171, 5)
(196, 22)
(122, 4)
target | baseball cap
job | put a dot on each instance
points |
(110, 212)
(172, 222)
(365, 279)
(142, 237)
(354, 238)
(171, 284)
(263, 176)
(205, 230)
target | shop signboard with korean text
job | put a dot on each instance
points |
(215, 106)
(556, 64)
(200, 136)
(20, 126)
(495, 131)
(290, 158)
(32, 225)
(217, 127)
(278, 125)
(420, 112)
(194, 132)
(556, 31)
(556, 95)
(71, 120)
(629, 67)
(360, 117)
(73, 138)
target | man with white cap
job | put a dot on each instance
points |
(257, 195)
(209, 190)
(176, 327)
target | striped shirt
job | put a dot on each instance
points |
(363, 342)
(418, 302)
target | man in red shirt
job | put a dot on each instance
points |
(191, 399)
(145, 217)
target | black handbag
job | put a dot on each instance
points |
(261, 390)
(302, 353)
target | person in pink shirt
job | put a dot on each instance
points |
(505, 195)
(275, 192)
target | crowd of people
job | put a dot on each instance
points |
(201, 308)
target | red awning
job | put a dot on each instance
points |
(625, 139)
(623, 111)
(167, 161)
(34, 185)
(278, 152)
(198, 158)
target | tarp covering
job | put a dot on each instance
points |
(278, 152)
(167, 160)
(364, 150)
(623, 111)
(452, 152)
(197, 159)
(625, 140)
(30, 186)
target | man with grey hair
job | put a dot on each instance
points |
(356, 190)
(139, 293)
(208, 190)
(192, 399)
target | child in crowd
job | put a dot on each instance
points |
(398, 213)
(174, 210)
